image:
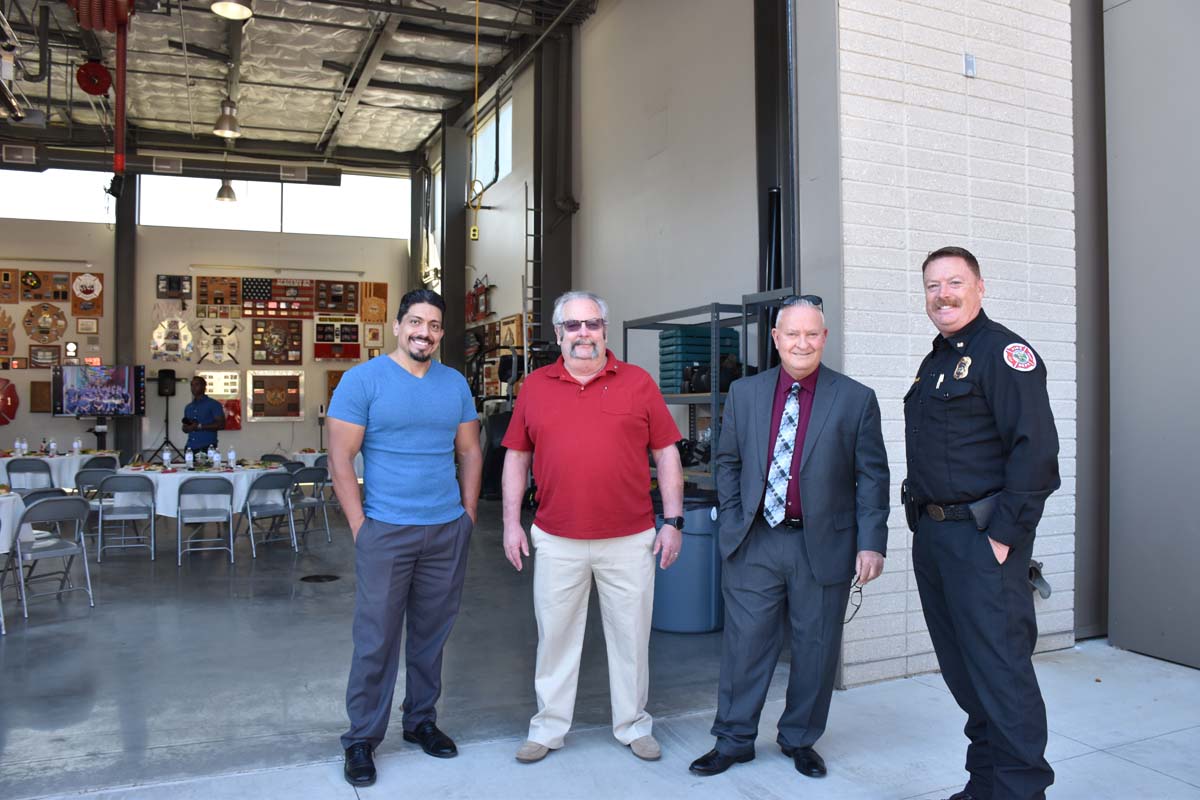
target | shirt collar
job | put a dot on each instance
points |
(558, 369)
(958, 341)
(807, 383)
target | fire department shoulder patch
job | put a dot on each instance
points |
(1020, 357)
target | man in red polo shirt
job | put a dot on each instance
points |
(585, 423)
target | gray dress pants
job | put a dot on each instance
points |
(410, 580)
(768, 584)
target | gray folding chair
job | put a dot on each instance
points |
(322, 461)
(269, 498)
(188, 513)
(330, 496)
(126, 499)
(272, 458)
(30, 473)
(308, 495)
(293, 466)
(102, 462)
(23, 558)
(87, 482)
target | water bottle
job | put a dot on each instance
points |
(53, 448)
(216, 458)
(76, 445)
(166, 458)
(189, 458)
(22, 446)
(232, 456)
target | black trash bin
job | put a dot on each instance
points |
(687, 595)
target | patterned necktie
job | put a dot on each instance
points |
(775, 502)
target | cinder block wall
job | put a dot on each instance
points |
(932, 157)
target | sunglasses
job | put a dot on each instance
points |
(573, 325)
(808, 298)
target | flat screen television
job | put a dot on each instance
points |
(79, 391)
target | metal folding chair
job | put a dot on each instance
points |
(292, 466)
(308, 495)
(322, 461)
(87, 482)
(269, 498)
(102, 462)
(23, 558)
(272, 458)
(207, 487)
(126, 498)
(31, 473)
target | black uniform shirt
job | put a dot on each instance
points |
(977, 422)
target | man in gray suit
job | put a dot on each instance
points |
(802, 480)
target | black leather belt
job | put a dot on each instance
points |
(954, 512)
(793, 523)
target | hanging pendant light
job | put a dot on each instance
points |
(227, 125)
(233, 9)
(225, 193)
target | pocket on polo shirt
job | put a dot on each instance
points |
(616, 402)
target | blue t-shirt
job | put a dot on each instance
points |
(408, 445)
(204, 411)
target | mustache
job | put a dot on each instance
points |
(947, 303)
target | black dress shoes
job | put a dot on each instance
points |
(360, 765)
(808, 761)
(432, 740)
(714, 762)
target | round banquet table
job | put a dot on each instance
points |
(166, 487)
(310, 459)
(11, 509)
(62, 467)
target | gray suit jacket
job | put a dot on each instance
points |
(844, 479)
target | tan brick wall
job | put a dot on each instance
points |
(931, 157)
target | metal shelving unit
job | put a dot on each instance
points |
(714, 316)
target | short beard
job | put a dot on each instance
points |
(420, 357)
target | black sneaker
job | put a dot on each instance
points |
(360, 765)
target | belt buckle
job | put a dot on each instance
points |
(936, 512)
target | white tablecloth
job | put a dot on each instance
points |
(11, 509)
(166, 488)
(62, 469)
(310, 459)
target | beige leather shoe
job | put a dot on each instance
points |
(530, 752)
(646, 748)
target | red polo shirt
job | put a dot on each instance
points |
(589, 444)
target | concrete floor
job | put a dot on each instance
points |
(219, 682)
(212, 668)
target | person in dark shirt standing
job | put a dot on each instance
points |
(202, 418)
(982, 459)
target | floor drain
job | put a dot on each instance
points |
(319, 578)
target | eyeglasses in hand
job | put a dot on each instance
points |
(855, 600)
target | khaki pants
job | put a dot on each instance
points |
(562, 580)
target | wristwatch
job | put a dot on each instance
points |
(675, 522)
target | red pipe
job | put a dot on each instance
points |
(119, 128)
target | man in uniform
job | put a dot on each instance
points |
(202, 418)
(982, 459)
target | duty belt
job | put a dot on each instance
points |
(953, 512)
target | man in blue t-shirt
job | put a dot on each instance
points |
(410, 417)
(202, 418)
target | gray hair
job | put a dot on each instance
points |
(567, 297)
(804, 301)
